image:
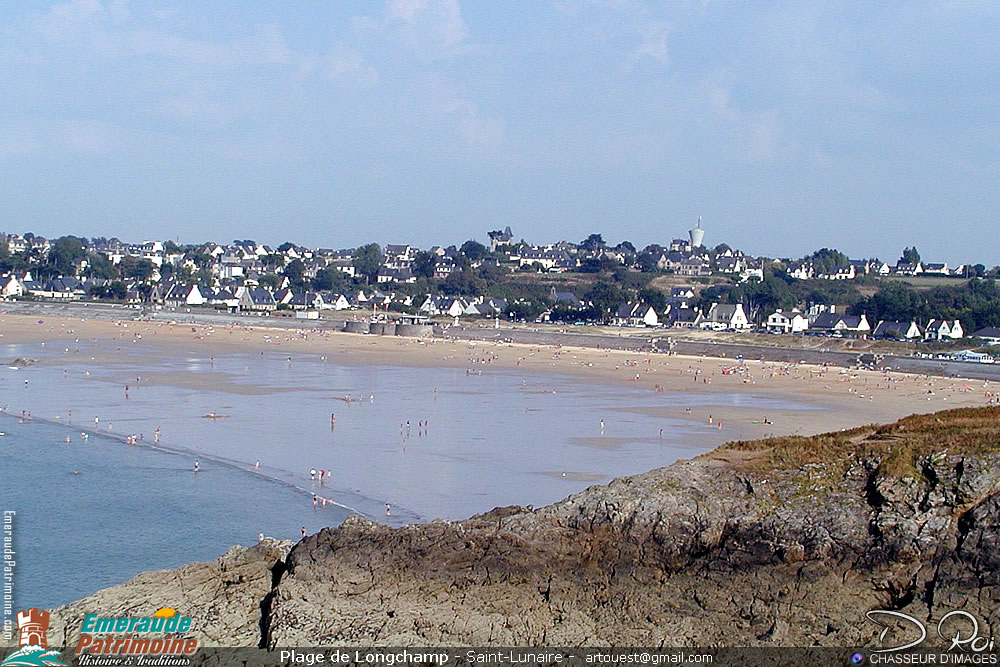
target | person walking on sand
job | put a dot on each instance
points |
(303, 532)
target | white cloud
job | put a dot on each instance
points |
(347, 63)
(653, 44)
(476, 130)
(430, 24)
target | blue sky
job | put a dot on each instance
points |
(788, 125)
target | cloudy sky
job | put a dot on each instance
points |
(789, 126)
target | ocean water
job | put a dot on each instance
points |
(126, 510)
(493, 437)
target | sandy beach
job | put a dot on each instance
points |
(848, 397)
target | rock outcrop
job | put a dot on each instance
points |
(782, 542)
(223, 597)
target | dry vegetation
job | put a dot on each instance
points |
(897, 446)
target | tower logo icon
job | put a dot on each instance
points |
(33, 624)
(33, 645)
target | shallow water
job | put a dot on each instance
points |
(493, 437)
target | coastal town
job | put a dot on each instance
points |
(683, 284)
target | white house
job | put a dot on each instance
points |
(636, 315)
(784, 321)
(943, 330)
(726, 316)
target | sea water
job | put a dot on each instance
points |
(411, 444)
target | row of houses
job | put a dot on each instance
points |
(794, 321)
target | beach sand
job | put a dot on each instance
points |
(848, 397)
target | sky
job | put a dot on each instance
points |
(788, 125)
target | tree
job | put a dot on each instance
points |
(526, 309)
(474, 250)
(626, 247)
(911, 256)
(269, 280)
(653, 297)
(464, 282)
(286, 246)
(423, 264)
(65, 254)
(978, 270)
(294, 272)
(647, 263)
(329, 279)
(593, 243)
(169, 248)
(138, 269)
(367, 260)
(606, 297)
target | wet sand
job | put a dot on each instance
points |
(848, 397)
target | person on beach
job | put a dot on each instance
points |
(260, 537)
(315, 501)
(312, 473)
(196, 466)
(303, 527)
(388, 508)
(256, 465)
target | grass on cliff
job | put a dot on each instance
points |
(898, 445)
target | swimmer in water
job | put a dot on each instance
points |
(196, 466)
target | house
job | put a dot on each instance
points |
(335, 302)
(499, 239)
(694, 266)
(566, 298)
(690, 318)
(257, 299)
(726, 316)
(990, 335)
(897, 330)
(730, 264)
(784, 321)
(840, 273)
(907, 269)
(936, 269)
(943, 330)
(184, 295)
(834, 323)
(10, 286)
(800, 270)
(635, 314)
(403, 275)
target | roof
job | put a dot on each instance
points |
(988, 332)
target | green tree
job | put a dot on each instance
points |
(474, 250)
(465, 282)
(367, 260)
(593, 243)
(910, 255)
(653, 297)
(286, 246)
(606, 297)
(423, 264)
(294, 272)
(65, 254)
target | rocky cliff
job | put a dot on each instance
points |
(779, 542)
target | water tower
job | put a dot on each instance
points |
(697, 235)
